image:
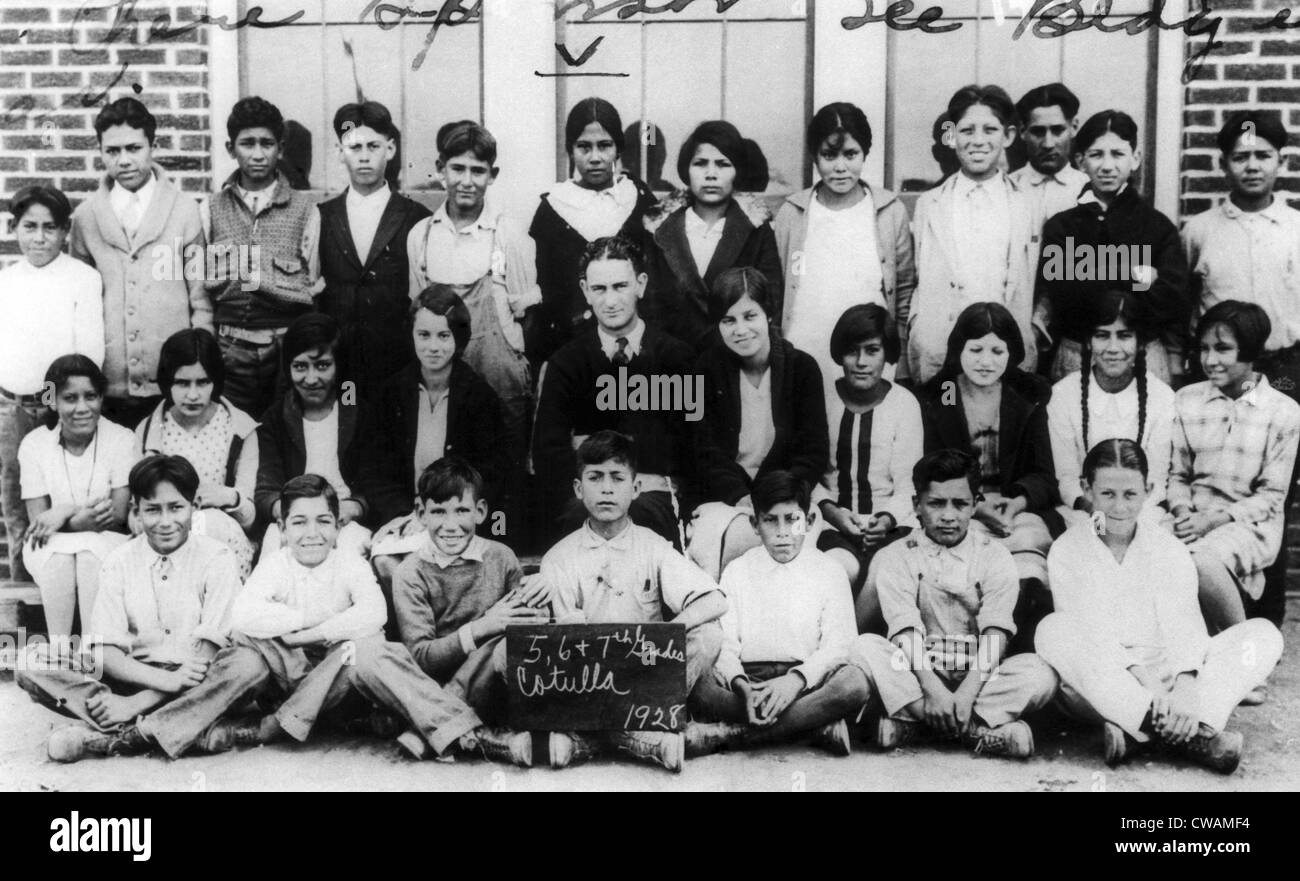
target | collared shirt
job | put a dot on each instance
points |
(1233, 456)
(158, 612)
(948, 595)
(126, 203)
(473, 553)
(55, 310)
(1052, 193)
(340, 597)
(872, 455)
(1253, 256)
(982, 227)
(609, 344)
(703, 237)
(431, 429)
(364, 214)
(1090, 197)
(626, 579)
(1147, 603)
(321, 438)
(797, 612)
(594, 214)
(1109, 415)
(459, 256)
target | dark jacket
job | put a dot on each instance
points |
(680, 296)
(801, 445)
(282, 453)
(562, 312)
(568, 405)
(475, 428)
(369, 301)
(1130, 221)
(1024, 446)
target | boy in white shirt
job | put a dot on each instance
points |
(316, 618)
(783, 669)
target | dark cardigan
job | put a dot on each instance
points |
(801, 445)
(475, 428)
(567, 406)
(680, 296)
(1024, 446)
(1130, 221)
(370, 301)
(282, 453)
(561, 313)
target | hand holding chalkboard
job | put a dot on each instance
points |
(591, 677)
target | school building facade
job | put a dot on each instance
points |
(766, 65)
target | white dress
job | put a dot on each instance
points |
(46, 470)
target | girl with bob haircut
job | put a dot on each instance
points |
(74, 481)
(841, 241)
(712, 233)
(764, 410)
(1126, 238)
(1127, 638)
(196, 421)
(1234, 447)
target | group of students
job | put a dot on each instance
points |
(907, 499)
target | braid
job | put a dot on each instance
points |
(1140, 370)
(1085, 370)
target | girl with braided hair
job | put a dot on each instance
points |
(1115, 396)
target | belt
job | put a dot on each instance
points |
(25, 400)
(256, 337)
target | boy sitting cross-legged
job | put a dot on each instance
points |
(455, 596)
(783, 670)
(612, 571)
(948, 594)
(315, 615)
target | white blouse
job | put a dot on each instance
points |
(757, 430)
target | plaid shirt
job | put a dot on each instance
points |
(1233, 456)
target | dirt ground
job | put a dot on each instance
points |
(1067, 759)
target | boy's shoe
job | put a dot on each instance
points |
(1257, 696)
(75, 742)
(500, 745)
(895, 733)
(834, 738)
(1219, 752)
(657, 747)
(413, 745)
(565, 748)
(226, 734)
(1014, 739)
(703, 738)
(1117, 744)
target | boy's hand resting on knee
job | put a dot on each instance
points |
(1176, 714)
(940, 709)
(1191, 525)
(878, 529)
(775, 696)
(510, 609)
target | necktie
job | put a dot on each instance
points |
(621, 357)
(131, 217)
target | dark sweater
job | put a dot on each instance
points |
(474, 431)
(561, 314)
(801, 445)
(370, 301)
(1024, 445)
(567, 406)
(432, 603)
(679, 296)
(1130, 221)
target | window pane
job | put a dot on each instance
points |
(767, 94)
(288, 72)
(683, 86)
(446, 88)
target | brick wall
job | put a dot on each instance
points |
(1254, 68)
(60, 63)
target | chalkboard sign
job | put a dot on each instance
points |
(592, 677)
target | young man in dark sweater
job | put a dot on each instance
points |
(363, 247)
(264, 239)
(456, 595)
(591, 385)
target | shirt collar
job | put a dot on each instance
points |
(473, 553)
(263, 196)
(321, 574)
(965, 185)
(1250, 397)
(153, 558)
(766, 564)
(931, 548)
(121, 195)
(1089, 197)
(376, 199)
(697, 226)
(1273, 212)
(486, 220)
(570, 194)
(1066, 177)
(609, 343)
(620, 542)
